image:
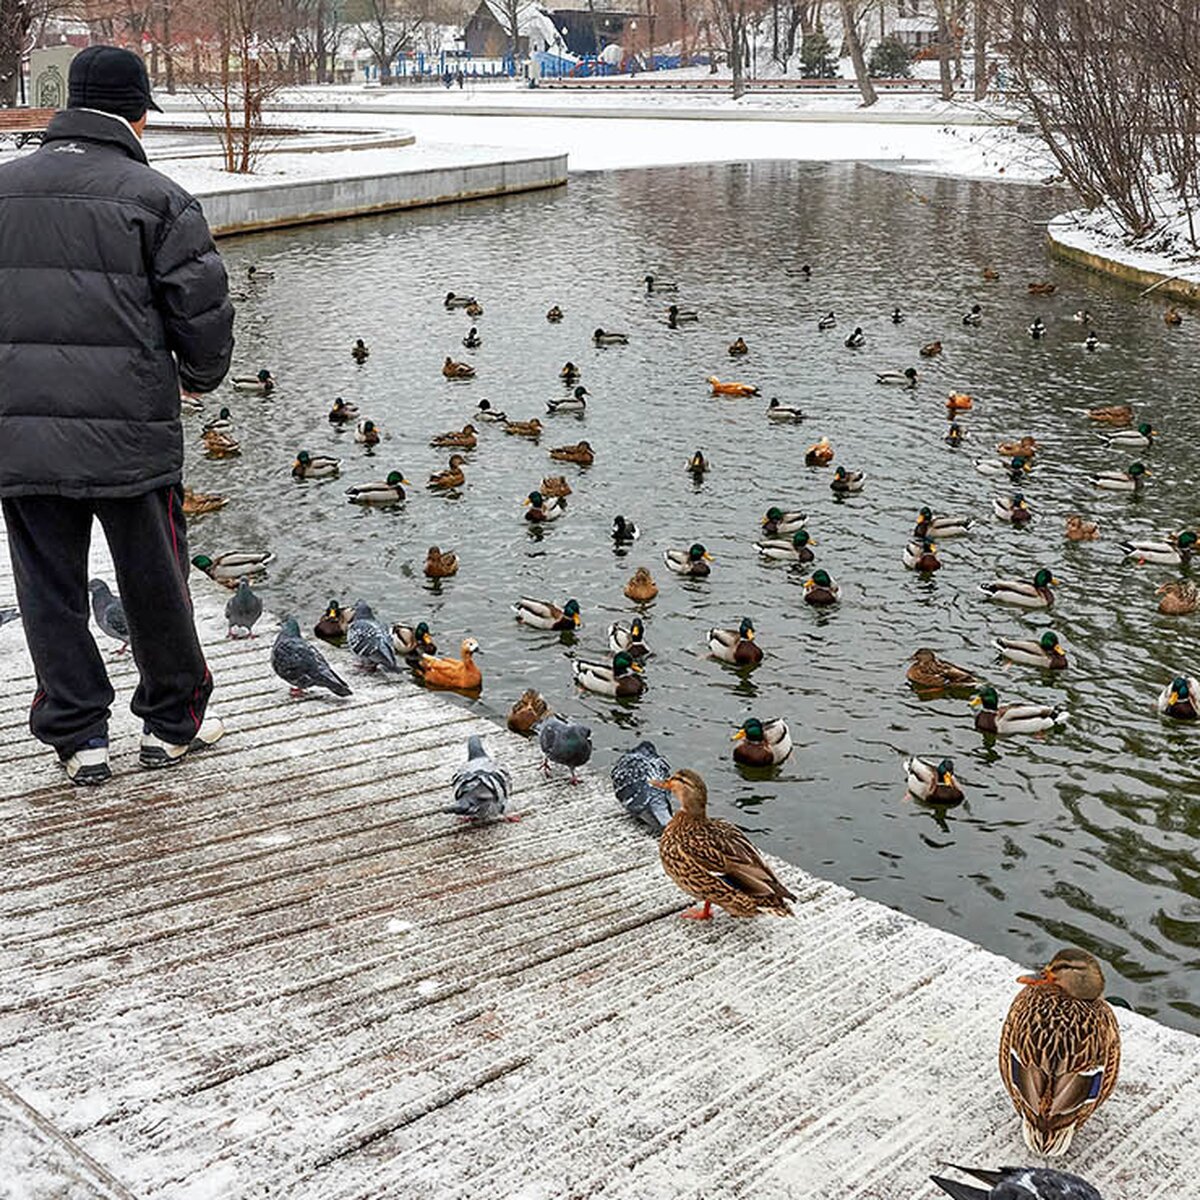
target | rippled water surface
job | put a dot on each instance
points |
(1087, 835)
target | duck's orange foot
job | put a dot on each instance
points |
(698, 914)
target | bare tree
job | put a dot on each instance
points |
(854, 45)
(980, 39)
(731, 20)
(21, 22)
(388, 27)
(945, 50)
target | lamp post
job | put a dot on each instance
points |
(633, 45)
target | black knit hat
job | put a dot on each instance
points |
(112, 80)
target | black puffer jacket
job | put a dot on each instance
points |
(112, 295)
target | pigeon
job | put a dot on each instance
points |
(109, 613)
(1019, 1183)
(564, 741)
(243, 610)
(370, 641)
(631, 776)
(9, 614)
(480, 785)
(301, 665)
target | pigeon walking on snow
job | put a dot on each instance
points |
(564, 741)
(301, 665)
(480, 785)
(9, 614)
(109, 613)
(369, 640)
(1019, 1183)
(243, 610)
(631, 776)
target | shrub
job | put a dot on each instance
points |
(890, 60)
(816, 58)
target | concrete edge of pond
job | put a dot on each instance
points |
(1058, 237)
(282, 968)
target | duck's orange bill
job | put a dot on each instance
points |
(1036, 980)
(662, 784)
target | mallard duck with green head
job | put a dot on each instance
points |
(1180, 699)
(334, 622)
(621, 677)
(737, 646)
(1141, 438)
(542, 614)
(379, 491)
(1131, 480)
(233, 565)
(796, 549)
(1175, 550)
(993, 717)
(629, 638)
(941, 526)
(692, 561)
(411, 641)
(1045, 652)
(780, 522)
(315, 466)
(845, 482)
(820, 590)
(932, 784)
(1035, 594)
(762, 743)
(920, 555)
(541, 510)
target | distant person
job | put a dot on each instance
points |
(447, 79)
(112, 299)
(458, 78)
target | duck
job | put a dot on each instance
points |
(197, 504)
(485, 412)
(231, 566)
(930, 672)
(411, 641)
(1036, 594)
(624, 531)
(1014, 509)
(1173, 316)
(1082, 316)
(1141, 438)
(1037, 329)
(1121, 481)
(641, 588)
(955, 435)
(359, 351)
(736, 646)
(457, 370)
(1179, 596)
(1015, 466)
(820, 590)
(334, 622)
(455, 301)
(1080, 530)
(1111, 414)
(463, 439)
(580, 453)
(255, 273)
(554, 314)
(367, 433)
(606, 337)
(1042, 289)
(1046, 652)
(990, 274)
(528, 710)
(762, 743)
(922, 556)
(856, 339)
(379, 491)
(897, 316)
(315, 466)
(844, 482)
(452, 477)
(794, 549)
(973, 316)
(220, 445)
(677, 316)
(1015, 718)
(941, 526)
(930, 350)
(1060, 1050)
(731, 388)
(569, 372)
(541, 510)
(1176, 550)
(959, 402)
(629, 638)
(189, 403)
(906, 378)
(440, 564)
(712, 860)
(1091, 342)
(575, 402)
(828, 321)
(819, 454)
(654, 284)
(692, 561)
(455, 674)
(1026, 447)
(622, 677)
(738, 347)
(472, 340)
(932, 784)
(541, 614)
(474, 309)
(783, 412)
(341, 413)
(221, 423)
(262, 384)
(806, 271)
(526, 429)
(555, 485)
(779, 522)
(1180, 699)
(697, 464)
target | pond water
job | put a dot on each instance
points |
(1087, 835)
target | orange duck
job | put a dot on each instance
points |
(731, 388)
(459, 674)
(959, 402)
(819, 454)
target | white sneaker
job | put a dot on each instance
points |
(156, 752)
(87, 765)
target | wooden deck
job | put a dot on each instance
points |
(282, 970)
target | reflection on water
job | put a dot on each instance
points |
(1087, 835)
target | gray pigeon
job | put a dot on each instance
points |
(9, 614)
(301, 665)
(369, 640)
(564, 741)
(1019, 1183)
(243, 610)
(109, 613)
(631, 775)
(480, 785)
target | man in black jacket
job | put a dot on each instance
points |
(112, 298)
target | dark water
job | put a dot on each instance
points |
(1087, 835)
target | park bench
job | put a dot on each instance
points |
(24, 125)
